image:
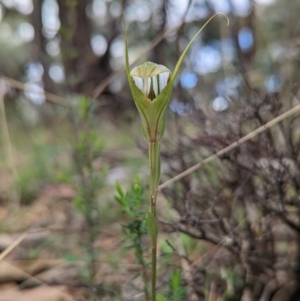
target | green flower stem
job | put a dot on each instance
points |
(153, 275)
(154, 162)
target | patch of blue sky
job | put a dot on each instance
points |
(245, 39)
(188, 79)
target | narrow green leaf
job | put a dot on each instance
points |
(120, 190)
(152, 227)
(120, 196)
(140, 100)
(180, 61)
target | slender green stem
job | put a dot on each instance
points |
(140, 256)
(154, 161)
(153, 275)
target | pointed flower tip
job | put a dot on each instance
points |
(151, 78)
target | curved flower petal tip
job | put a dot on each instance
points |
(151, 78)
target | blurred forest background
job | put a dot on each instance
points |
(70, 132)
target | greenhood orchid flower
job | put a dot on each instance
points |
(151, 87)
(151, 78)
(149, 83)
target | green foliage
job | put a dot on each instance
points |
(133, 205)
(132, 202)
(176, 290)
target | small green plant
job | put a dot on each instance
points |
(133, 205)
(87, 180)
(151, 87)
(87, 147)
(176, 291)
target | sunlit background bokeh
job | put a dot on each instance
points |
(208, 56)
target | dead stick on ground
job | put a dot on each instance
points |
(13, 245)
